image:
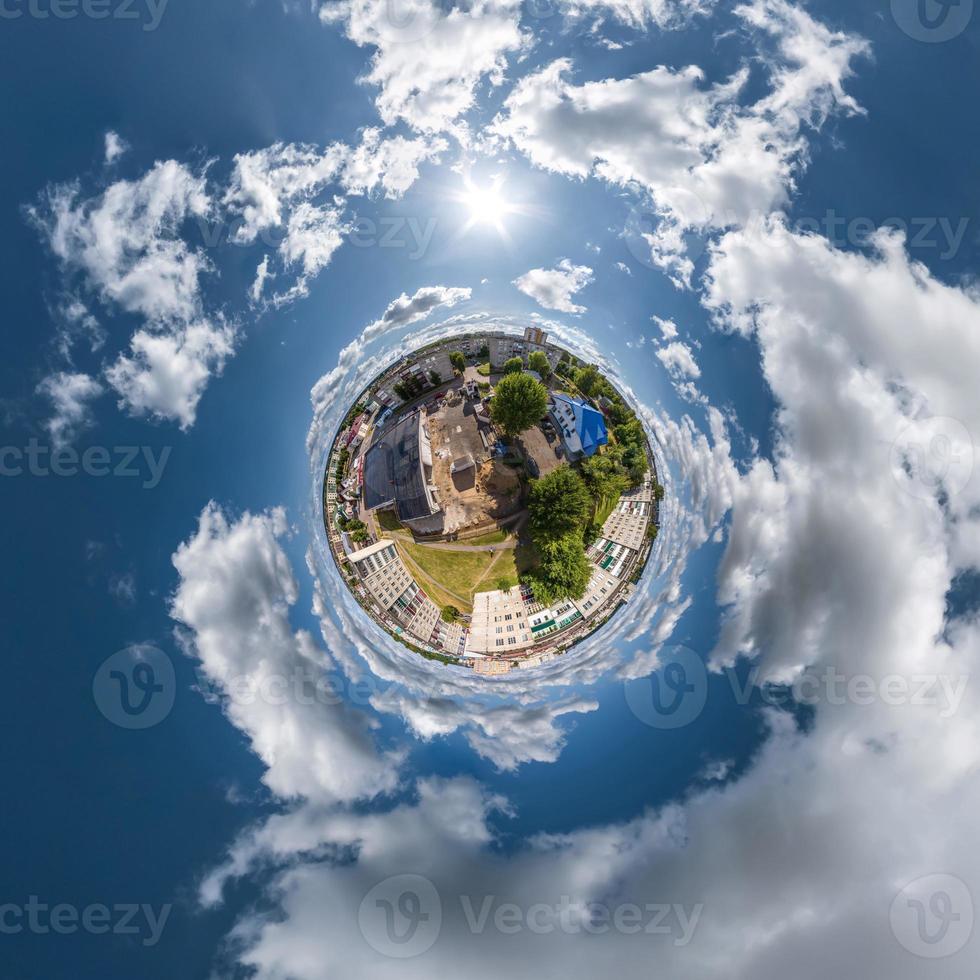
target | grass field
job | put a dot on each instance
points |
(454, 577)
(484, 369)
(491, 537)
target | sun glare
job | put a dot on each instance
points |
(485, 203)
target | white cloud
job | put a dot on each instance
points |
(234, 594)
(164, 373)
(290, 193)
(703, 157)
(809, 582)
(678, 358)
(115, 147)
(667, 327)
(70, 394)
(125, 242)
(554, 288)
(639, 14)
(624, 268)
(429, 59)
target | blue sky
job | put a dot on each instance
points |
(219, 228)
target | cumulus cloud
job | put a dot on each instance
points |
(125, 242)
(164, 373)
(429, 59)
(554, 288)
(703, 156)
(126, 246)
(294, 194)
(70, 395)
(233, 597)
(678, 358)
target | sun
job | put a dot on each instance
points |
(485, 203)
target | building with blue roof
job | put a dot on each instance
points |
(582, 428)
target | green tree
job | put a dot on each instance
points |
(558, 505)
(458, 361)
(588, 380)
(658, 491)
(604, 476)
(484, 352)
(518, 402)
(435, 377)
(513, 365)
(450, 614)
(538, 361)
(564, 571)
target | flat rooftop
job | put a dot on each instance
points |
(393, 471)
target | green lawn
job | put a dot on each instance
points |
(491, 537)
(484, 369)
(458, 575)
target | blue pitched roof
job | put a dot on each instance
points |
(589, 424)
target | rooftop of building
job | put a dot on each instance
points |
(393, 470)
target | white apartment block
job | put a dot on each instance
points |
(499, 624)
(389, 584)
(627, 524)
(601, 588)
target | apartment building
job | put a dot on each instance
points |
(499, 623)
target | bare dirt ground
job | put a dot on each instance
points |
(537, 446)
(487, 491)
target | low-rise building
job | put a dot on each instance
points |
(582, 428)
